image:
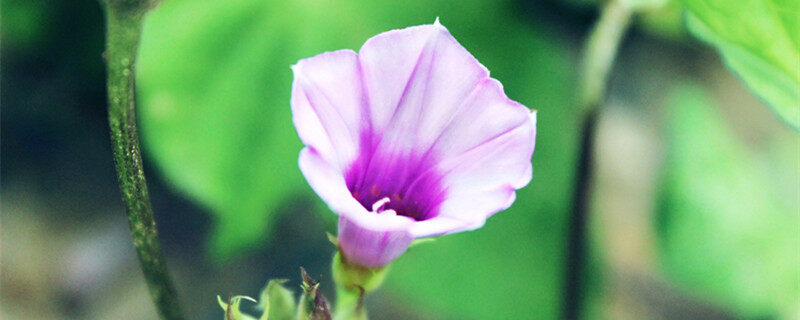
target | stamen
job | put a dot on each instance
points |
(378, 205)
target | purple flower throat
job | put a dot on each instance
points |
(403, 184)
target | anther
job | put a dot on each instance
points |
(378, 205)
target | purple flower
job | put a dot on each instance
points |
(408, 138)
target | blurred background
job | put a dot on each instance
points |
(696, 201)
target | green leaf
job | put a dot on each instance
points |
(760, 42)
(213, 90)
(664, 22)
(729, 224)
(24, 24)
(644, 5)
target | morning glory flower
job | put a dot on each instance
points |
(408, 138)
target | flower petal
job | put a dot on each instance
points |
(369, 247)
(485, 156)
(416, 80)
(327, 104)
(328, 182)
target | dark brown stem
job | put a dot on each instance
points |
(600, 51)
(576, 234)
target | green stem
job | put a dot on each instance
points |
(353, 282)
(349, 305)
(601, 49)
(123, 28)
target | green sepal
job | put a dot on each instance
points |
(231, 308)
(417, 242)
(354, 277)
(312, 304)
(276, 302)
(333, 239)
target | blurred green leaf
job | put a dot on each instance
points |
(644, 5)
(210, 89)
(760, 41)
(214, 84)
(664, 21)
(214, 88)
(24, 23)
(729, 231)
(637, 5)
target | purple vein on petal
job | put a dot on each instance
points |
(330, 103)
(366, 111)
(457, 159)
(375, 145)
(324, 127)
(469, 98)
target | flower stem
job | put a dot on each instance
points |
(353, 282)
(600, 51)
(123, 28)
(349, 305)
